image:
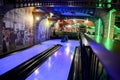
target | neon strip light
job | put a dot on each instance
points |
(99, 27)
(109, 1)
(110, 16)
(109, 23)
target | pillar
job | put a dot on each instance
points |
(108, 19)
(109, 28)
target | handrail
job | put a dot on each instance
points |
(102, 63)
(25, 69)
(75, 69)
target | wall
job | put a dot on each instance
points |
(0, 35)
(18, 29)
(116, 32)
(105, 16)
(42, 26)
(43, 30)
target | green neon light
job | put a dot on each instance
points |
(100, 5)
(107, 43)
(113, 10)
(110, 16)
(108, 5)
(109, 23)
(109, 1)
(116, 27)
(99, 27)
(98, 39)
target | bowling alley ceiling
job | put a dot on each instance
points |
(66, 7)
(69, 11)
(79, 3)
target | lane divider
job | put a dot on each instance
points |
(22, 71)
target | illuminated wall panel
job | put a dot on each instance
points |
(18, 28)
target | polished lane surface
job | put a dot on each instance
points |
(9, 62)
(57, 67)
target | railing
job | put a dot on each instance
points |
(75, 70)
(97, 62)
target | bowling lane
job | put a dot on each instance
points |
(13, 60)
(58, 65)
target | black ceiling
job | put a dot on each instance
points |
(66, 7)
(80, 3)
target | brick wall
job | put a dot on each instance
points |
(104, 15)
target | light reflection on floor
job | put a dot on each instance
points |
(58, 65)
(13, 60)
